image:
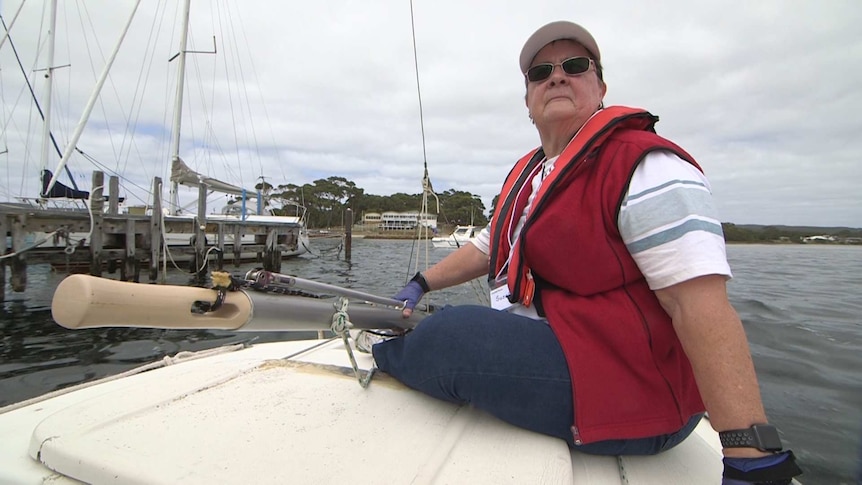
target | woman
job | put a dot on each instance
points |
(610, 327)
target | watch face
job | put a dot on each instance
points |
(766, 437)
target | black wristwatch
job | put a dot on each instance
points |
(764, 437)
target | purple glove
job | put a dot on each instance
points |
(777, 469)
(410, 295)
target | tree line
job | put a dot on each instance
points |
(793, 234)
(326, 201)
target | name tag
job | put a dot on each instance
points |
(500, 297)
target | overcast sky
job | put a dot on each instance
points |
(765, 94)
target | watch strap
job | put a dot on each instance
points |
(420, 278)
(764, 437)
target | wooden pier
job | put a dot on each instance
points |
(131, 243)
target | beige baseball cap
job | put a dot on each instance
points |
(561, 29)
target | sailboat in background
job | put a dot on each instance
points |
(181, 174)
(50, 188)
(459, 237)
(251, 205)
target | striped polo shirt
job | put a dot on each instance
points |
(667, 220)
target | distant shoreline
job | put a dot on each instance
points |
(411, 235)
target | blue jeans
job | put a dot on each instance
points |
(508, 365)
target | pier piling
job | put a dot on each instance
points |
(348, 234)
(200, 259)
(18, 279)
(97, 205)
(4, 229)
(130, 262)
(156, 230)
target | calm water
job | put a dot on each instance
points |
(801, 307)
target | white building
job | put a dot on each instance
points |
(406, 220)
(371, 218)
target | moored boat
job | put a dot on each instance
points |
(287, 235)
(459, 237)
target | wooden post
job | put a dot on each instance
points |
(18, 279)
(114, 195)
(272, 255)
(348, 234)
(4, 229)
(97, 204)
(220, 255)
(129, 262)
(200, 233)
(237, 244)
(156, 230)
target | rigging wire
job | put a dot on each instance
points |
(418, 88)
(421, 221)
(96, 52)
(427, 189)
(235, 30)
(237, 13)
(35, 98)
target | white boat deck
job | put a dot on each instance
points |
(252, 416)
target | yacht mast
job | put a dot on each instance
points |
(178, 106)
(49, 88)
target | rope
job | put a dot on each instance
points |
(166, 250)
(341, 328)
(71, 244)
(35, 244)
(90, 212)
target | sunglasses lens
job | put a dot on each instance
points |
(571, 66)
(540, 72)
(576, 65)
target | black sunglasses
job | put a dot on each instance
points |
(571, 66)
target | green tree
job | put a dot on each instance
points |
(326, 200)
(264, 186)
(368, 203)
(458, 207)
(401, 202)
(732, 233)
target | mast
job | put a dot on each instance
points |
(85, 116)
(178, 106)
(49, 88)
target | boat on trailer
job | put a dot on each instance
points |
(308, 411)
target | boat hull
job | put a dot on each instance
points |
(459, 237)
(293, 412)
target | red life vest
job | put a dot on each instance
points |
(630, 375)
(510, 205)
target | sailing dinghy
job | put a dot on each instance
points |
(283, 412)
